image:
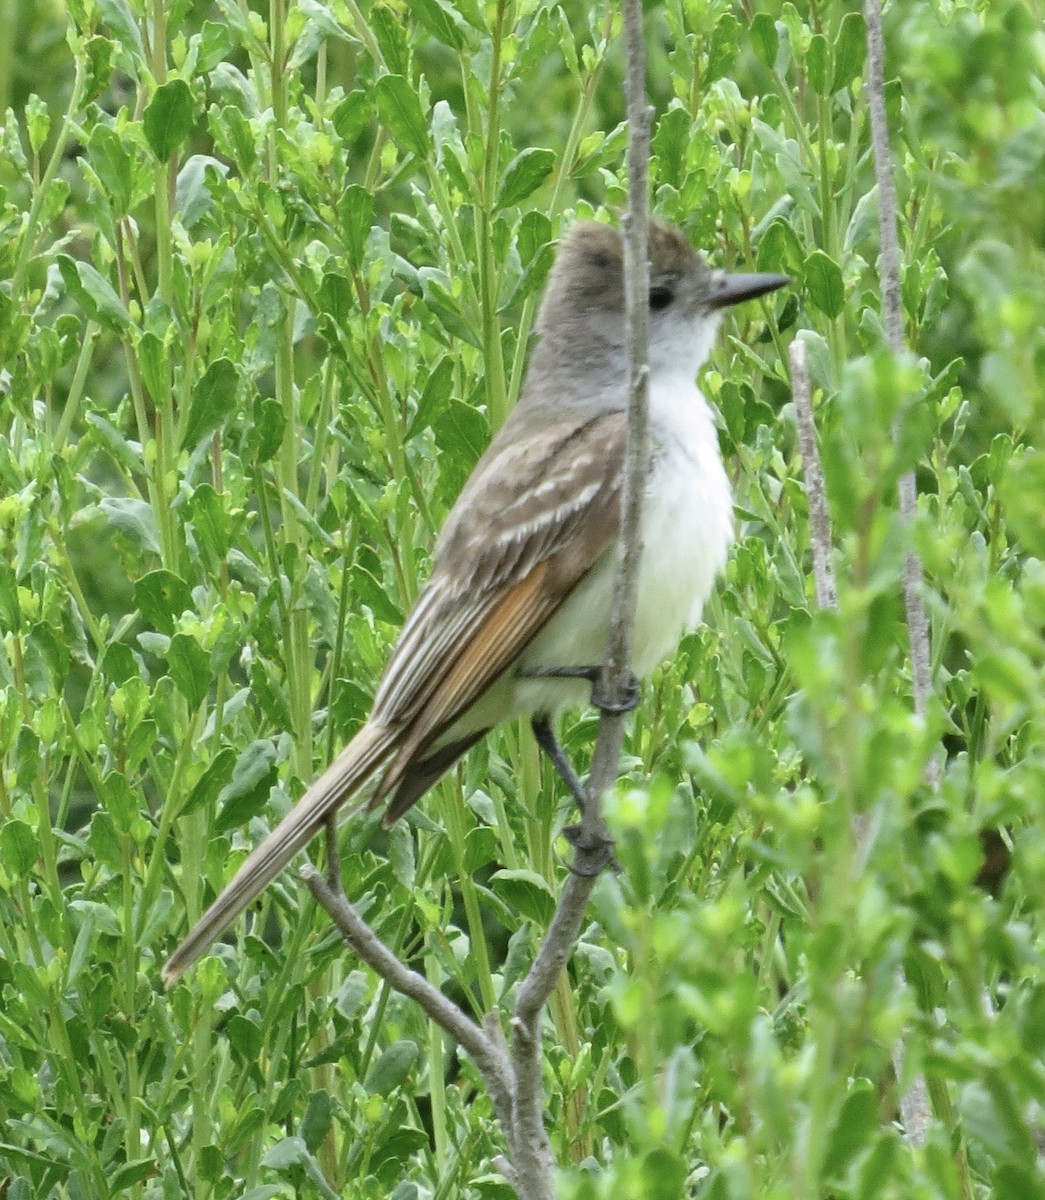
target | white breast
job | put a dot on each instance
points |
(687, 527)
(687, 522)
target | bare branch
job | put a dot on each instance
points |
(487, 1054)
(636, 289)
(564, 930)
(892, 312)
(819, 517)
(915, 1108)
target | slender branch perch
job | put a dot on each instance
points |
(819, 517)
(514, 1079)
(565, 927)
(892, 311)
(915, 1108)
(636, 288)
(489, 1057)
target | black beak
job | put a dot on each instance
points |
(731, 289)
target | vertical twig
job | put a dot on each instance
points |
(915, 1108)
(566, 924)
(819, 518)
(892, 312)
(636, 287)
(515, 1081)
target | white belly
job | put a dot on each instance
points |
(687, 528)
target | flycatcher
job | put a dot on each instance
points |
(521, 587)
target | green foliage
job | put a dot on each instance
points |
(266, 284)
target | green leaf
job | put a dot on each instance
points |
(136, 1171)
(394, 1065)
(213, 401)
(120, 20)
(245, 794)
(1022, 488)
(113, 165)
(318, 1117)
(369, 591)
(290, 1157)
(1012, 1182)
(526, 892)
(233, 134)
(399, 110)
(723, 47)
(104, 842)
(819, 361)
(391, 34)
(113, 441)
(823, 278)
(670, 143)
(169, 117)
(524, 175)
(211, 520)
(850, 51)
(214, 778)
(266, 433)
(120, 801)
(441, 21)
(780, 249)
(161, 597)
(462, 432)
(816, 63)
(765, 39)
(663, 1175)
(19, 848)
(855, 1128)
(99, 53)
(192, 197)
(93, 293)
(320, 26)
(245, 1037)
(155, 366)
(215, 44)
(352, 115)
(119, 664)
(336, 304)
(10, 609)
(438, 389)
(355, 212)
(133, 518)
(533, 237)
(189, 666)
(991, 1116)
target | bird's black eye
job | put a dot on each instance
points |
(660, 296)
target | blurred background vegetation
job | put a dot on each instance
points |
(267, 276)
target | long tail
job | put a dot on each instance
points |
(348, 772)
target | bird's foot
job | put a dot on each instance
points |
(593, 675)
(594, 853)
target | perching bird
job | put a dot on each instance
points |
(523, 573)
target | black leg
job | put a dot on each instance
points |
(549, 743)
(595, 857)
(594, 676)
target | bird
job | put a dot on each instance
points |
(516, 609)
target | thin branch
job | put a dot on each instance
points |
(616, 673)
(515, 1082)
(892, 312)
(819, 517)
(361, 939)
(915, 1108)
(564, 930)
